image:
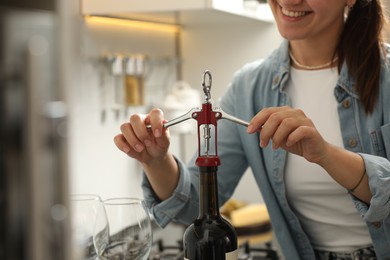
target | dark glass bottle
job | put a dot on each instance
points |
(210, 236)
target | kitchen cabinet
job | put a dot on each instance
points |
(179, 12)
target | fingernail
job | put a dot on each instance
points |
(138, 147)
(126, 149)
(157, 133)
(262, 144)
(249, 129)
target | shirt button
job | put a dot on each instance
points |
(277, 174)
(346, 103)
(352, 142)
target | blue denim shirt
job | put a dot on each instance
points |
(261, 84)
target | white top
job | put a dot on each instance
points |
(324, 207)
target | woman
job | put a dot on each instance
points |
(320, 105)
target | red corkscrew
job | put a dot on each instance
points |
(207, 120)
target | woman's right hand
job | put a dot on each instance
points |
(143, 144)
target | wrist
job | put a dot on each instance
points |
(348, 169)
(158, 162)
(326, 158)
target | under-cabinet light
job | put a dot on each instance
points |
(133, 23)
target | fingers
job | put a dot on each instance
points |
(136, 133)
(277, 124)
(141, 142)
(258, 121)
(288, 132)
(136, 141)
(121, 143)
(155, 119)
(298, 134)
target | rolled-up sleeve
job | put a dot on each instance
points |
(378, 172)
(181, 201)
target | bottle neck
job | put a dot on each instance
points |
(208, 193)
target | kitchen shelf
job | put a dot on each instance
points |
(179, 12)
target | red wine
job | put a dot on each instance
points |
(210, 236)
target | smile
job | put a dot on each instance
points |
(292, 13)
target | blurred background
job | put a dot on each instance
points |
(71, 72)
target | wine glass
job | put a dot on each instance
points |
(89, 226)
(130, 229)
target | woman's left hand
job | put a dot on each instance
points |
(291, 130)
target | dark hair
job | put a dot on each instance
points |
(361, 46)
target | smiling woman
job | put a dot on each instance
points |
(317, 109)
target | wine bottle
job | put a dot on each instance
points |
(210, 236)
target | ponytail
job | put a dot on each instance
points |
(361, 46)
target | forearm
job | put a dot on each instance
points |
(348, 169)
(163, 176)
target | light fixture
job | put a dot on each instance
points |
(136, 24)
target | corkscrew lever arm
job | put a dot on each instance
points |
(231, 118)
(186, 116)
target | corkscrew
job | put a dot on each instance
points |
(207, 119)
(190, 113)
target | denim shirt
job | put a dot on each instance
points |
(261, 84)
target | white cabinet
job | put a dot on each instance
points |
(183, 12)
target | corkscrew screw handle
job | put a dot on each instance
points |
(206, 83)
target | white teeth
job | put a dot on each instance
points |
(292, 13)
